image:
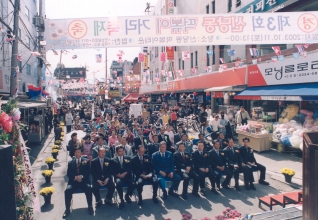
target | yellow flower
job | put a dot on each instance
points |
(47, 191)
(127, 161)
(55, 151)
(106, 164)
(50, 160)
(288, 171)
(84, 162)
(47, 173)
(55, 147)
(222, 154)
(146, 160)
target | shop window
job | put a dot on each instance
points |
(191, 60)
(207, 56)
(213, 55)
(229, 5)
(213, 7)
(266, 49)
(183, 64)
(221, 51)
(238, 3)
(196, 58)
(207, 9)
(179, 63)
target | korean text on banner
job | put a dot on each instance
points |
(146, 62)
(182, 30)
(170, 53)
(169, 7)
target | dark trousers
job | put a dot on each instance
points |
(71, 188)
(119, 187)
(196, 179)
(262, 170)
(174, 124)
(248, 175)
(236, 174)
(202, 177)
(225, 172)
(141, 182)
(110, 186)
(175, 181)
(68, 128)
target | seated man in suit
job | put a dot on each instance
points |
(123, 174)
(78, 172)
(248, 160)
(222, 140)
(143, 170)
(164, 137)
(177, 136)
(233, 161)
(200, 160)
(188, 145)
(102, 176)
(140, 139)
(184, 168)
(163, 164)
(207, 145)
(218, 164)
(153, 147)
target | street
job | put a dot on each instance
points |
(173, 208)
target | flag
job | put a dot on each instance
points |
(186, 55)
(210, 52)
(254, 52)
(221, 60)
(55, 52)
(74, 56)
(306, 45)
(274, 58)
(300, 48)
(281, 58)
(296, 55)
(98, 58)
(231, 52)
(163, 57)
(276, 49)
(141, 57)
(304, 54)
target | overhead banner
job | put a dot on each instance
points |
(183, 30)
(288, 71)
(260, 6)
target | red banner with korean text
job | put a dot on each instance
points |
(170, 53)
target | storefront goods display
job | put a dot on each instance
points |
(289, 112)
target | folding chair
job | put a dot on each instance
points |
(209, 129)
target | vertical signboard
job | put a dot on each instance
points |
(170, 53)
(170, 7)
(146, 62)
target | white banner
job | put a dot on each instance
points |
(183, 30)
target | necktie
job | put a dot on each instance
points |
(162, 155)
(233, 150)
(78, 165)
(141, 161)
(121, 162)
(101, 163)
(183, 157)
(217, 153)
(201, 153)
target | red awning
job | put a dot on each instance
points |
(131, 97)
(247, 97)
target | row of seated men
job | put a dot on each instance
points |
(162, 166)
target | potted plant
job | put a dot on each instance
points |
(61, 123)
(288, 173)
(55, 147)
(50, 161)
(54, 153)
(47, 192)
(47, 175)
(62, 138)
(57, 142)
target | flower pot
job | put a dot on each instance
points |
(47, 199)
(50, 165)
(288, 178)
(48, 179)
(54, 155)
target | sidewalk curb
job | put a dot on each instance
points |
(275, 176)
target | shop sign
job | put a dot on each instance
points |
(114, 93)
(170, 53)
(288, 71)
(174, 85)
(183, 30)
(70, 73)
(260, 6)
(145, 63)
(282, 98)
(169, 7)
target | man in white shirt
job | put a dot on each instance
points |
(215, 125)
(209, 111)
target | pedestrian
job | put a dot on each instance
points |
(203, 118)
(242, 116)
(174, 119)
(69, 121)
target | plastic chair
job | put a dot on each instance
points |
(209, 129)
(195, 141)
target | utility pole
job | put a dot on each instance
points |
(14, 60)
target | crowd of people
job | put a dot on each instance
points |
(121, 150)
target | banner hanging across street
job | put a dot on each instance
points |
(181, 30)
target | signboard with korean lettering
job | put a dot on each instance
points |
(114, 93)
(288, 71)
(169, 7)
(70, 73)
(170, 53)
(183, 30)
(145, 63)
(260, 6)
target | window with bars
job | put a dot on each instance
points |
(207, 9)
(196, 58)
(229, 5)
(191, 60)
(238, 3)
(213, 7)
(207, 56)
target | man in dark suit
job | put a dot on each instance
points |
(140, 140)
(218, 164)
(184, 168)
(248, 160)
(102, 176)
(233, 161)
(163, 164)
(207, 145)
(164, 137)
(188, 145)
(177, 136)
(200, 160)
(143, 170)
(153, 147)
(123, 174)
(78, 172)
(222, 140)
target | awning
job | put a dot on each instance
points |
(294, 92)
(226, 89)
(131, 97)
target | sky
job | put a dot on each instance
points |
(59, 9)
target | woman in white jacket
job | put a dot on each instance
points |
(69, 121)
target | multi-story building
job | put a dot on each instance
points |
(27, 33)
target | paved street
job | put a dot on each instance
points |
(244, 201)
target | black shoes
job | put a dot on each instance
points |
(214, 191)
(252, 186)
(66, 213)
(263, 182)
(90, 210)
(108, 202)
(225, 186)
(172, 193)
(140, 202)
(98, 204)
(202, 192)
(196, 194)
(127, 198)
(164, 196)
(154, 199)
(247, 187)
(121, 205)
(237, 187)
(184, 196)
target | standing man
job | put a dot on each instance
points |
(78, 172)
(203, 118)
(143, 171)
(123, 174)
(177, 136)
(242, 116)
(163, 164)
(184, 168)
(164, 137)
(69, 121)
(200, 160)
(218, 164)
(174, 119)
(102, 176)
(233, 161)
(140, 139)
(248, 160)
(207, 145)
